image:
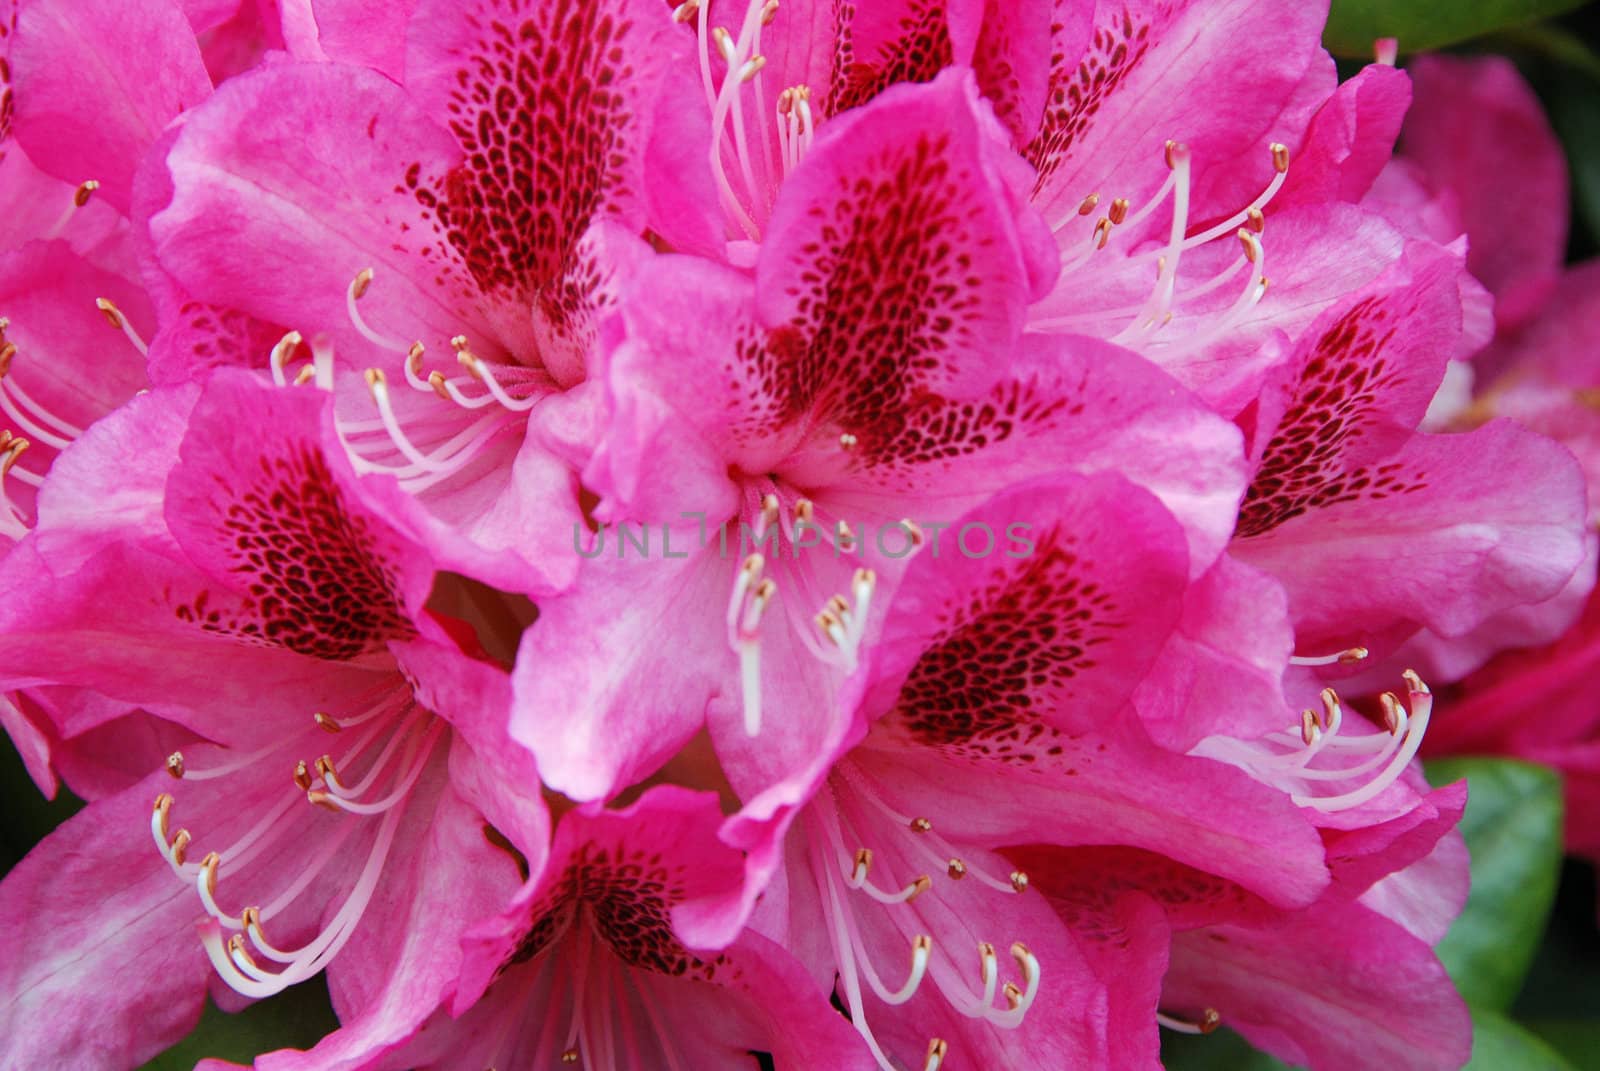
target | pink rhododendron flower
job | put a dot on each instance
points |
(886, 477)
(259, 603)
(589, 963)
(69, 261)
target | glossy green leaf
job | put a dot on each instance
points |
(1498, 1044)
(1513, 831)
(1354, 25)
(1577, 1040)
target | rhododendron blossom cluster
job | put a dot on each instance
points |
(796, 533)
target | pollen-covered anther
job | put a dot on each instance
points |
(359, 285)
(180, 846)
(919, 885)
(862, 865)
(322, 799)
(85, 192)
(769, 11)
(1118, 211)
(920, 825)
(1255, 219)
(1393, 715)
(208, 872)
(957, 869)
(1087, 205)
(1102, 232)
(7, 352)
(1019, 881)
(847, 441)
(1280, 157)
(938, 1048)
(162, 811)
(1176, 152)
(325, 723)
(13, 450)
(751, 68)
(1252, 247)
(119, 322)
(1308, 727)
(302, 775)
(280, 355)
(570, 1056)
(175, 765)
(685, 11)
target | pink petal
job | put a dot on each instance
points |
(897, 254)
(1376, 997)
(101, 968)
(96, 84)
(1478, 131)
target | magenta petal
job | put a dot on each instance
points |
(908, 237)
(101, 971)
(1157, 72)
(96, 83)
(1478, 131)
(1487, 520)
(1087, 573)
(1350, 139)
(602, 696)
(1222, 670)
(1375, 998)
(271, 212)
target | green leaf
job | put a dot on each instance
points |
(1512, 828)
(1499, 1044)
(1425, 24)
(1577, 1040)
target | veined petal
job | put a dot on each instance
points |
(89, 99)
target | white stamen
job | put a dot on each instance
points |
(1347, 657)
(117, 320)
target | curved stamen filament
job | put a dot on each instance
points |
(1347, 657)
(119, 322)
(926, 840)
(1209, 1021)
(1385, 755)
(80, 198)
(322, 949)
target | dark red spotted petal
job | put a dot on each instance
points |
(1013, 57)
(1154, 71)
(554, 107)
(646, 877)
(892, 266)
(1044, 606)
(881, 44)
(277, 523)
